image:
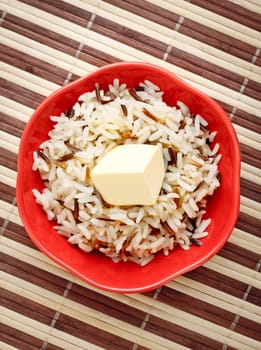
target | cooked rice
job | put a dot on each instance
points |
(100, 121)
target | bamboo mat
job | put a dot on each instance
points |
(212, 45)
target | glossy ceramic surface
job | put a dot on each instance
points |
(94, 268)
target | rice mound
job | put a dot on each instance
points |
(100, 121)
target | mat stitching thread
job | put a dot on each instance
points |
(6, 220)
(176, 29)
(245, 296)
(79, 49)
(57, 314)
(147, 317)
(2, 17)
(245, 82)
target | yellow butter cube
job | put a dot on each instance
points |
(130, 175)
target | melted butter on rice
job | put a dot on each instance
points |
(83, 136)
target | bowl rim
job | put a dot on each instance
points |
(79, 81)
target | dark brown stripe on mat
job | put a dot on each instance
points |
(129, 37)
(205, 69)
(180, 335)
(96, 57)
(217, 39)
(249, 328)
(91, 334)
(232, 11)
(20, 94)
(254, 296)
(11, 125)
(253, 89)
(247, 120)
(18, 339)
(26, 307)
(8, 159)
(258, 62)
(249, 224)
(7, 193)
(250, 155)
(195, 307)
(106, 305)
(68, 11)
(148, 11)
(18, 234)
(250, 189)
(219, 281)
(33, 274)
(33, 65)
(239, 255)
(40, 34)
(52, 347)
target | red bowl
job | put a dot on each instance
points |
(99, 270)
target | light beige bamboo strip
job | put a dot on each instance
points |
(250, 203)
(23, 253)
(249, 142)
(251, 173)
(45, 53)
(4, 346)
(45, 332)
(219, 295)
(237, 275)
(10, 142)
(9, 212)
(7, 180)
(249, 211)
(11, 174)
(247, 236)
(255, 2)
(15, 109)
(212, 20)
(255, 136)
(8, 146)
(234, 266)
(250, 177)
(87, 314)
(244, 242)
(113, 47)
(161, 33)
(250, 169)
(28, 80)
(248, 137)
(251, 6)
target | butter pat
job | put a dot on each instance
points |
(130, 175)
